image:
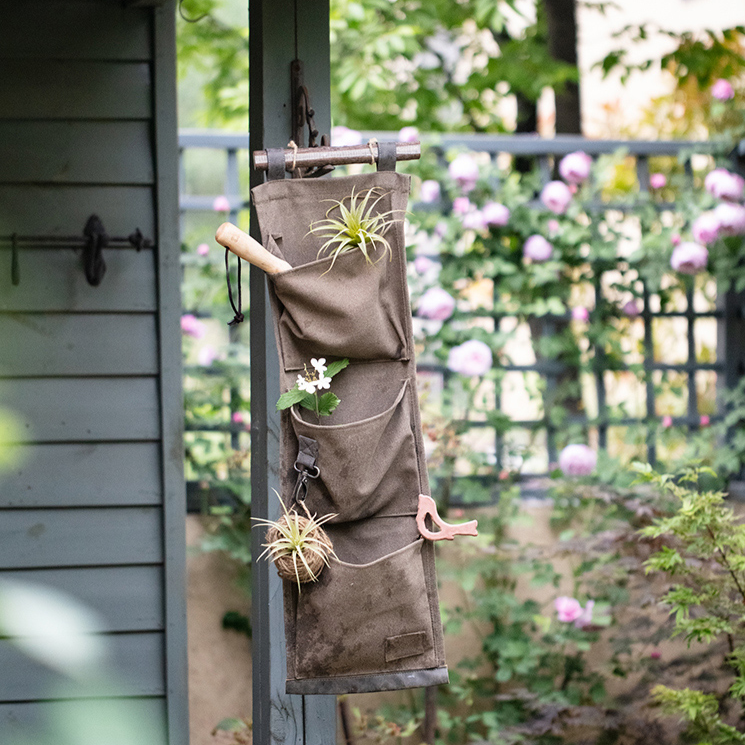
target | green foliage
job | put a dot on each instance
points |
(705, 555)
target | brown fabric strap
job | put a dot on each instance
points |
(276, 164)
(387, 156)
(308, 454)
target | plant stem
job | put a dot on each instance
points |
(726, 563)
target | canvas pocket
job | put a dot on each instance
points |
(366, 618)
(368, 467)
(351, 310)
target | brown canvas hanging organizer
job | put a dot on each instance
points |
(371, 620)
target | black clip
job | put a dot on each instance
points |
(305, 465)
(301, 485)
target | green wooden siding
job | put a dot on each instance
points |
(94, 504)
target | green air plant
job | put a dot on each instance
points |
(357, 226)
(298, 545)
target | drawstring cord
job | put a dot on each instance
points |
(238, 317)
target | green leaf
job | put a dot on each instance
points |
(327, 403)
(336, 367)
(292, 397)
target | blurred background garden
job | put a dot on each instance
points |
(575, 245)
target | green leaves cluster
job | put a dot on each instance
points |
(704, 554)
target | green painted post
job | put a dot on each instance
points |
(280, 31)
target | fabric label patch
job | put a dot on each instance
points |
(405, 645)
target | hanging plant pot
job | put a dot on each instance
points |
(371, 620)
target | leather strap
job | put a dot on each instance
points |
(387, 156)
(275, 157)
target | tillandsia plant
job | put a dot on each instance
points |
(298, 545)
(305, 391)
(704, 550)
(356, 227)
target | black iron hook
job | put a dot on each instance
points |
(96, 240)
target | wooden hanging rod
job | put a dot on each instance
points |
(310, 157)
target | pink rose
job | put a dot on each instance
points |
(206, 355)
(471, 358)
(731, 218)
(429, 191)
(675, 239)
(553, 227)
(722, 90)
(192, 326)
(705, 228)
(203, 249)
(221, 204)
(496, 214)
(657, 180)
(568, 609)
(689, 258)
(345, 137)
(556, 196)
(436, 304)
(575, 167)
(422, 264)
(667, 421)
(408, 134)
(631, 309)
(580, 313)
(464, 171)
(441, 229)
(723, 184)
(585, 618)
(537, 248)
(237, 417)
(461, 205)
(577, 460)
(705, 420)
(474, 220)
(655, 654)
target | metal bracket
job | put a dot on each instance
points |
(302, 116)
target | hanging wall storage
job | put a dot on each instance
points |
(371, 621)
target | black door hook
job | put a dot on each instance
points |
(96, 240)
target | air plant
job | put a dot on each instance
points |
(298, 545)
(357, 226)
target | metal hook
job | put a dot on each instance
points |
(303, 115)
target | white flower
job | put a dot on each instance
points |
(322, 382)
(306, 385)
(319, 365)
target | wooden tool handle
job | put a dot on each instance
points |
(250, 250)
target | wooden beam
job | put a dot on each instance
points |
(280, 31)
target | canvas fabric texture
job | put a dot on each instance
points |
(372, 621)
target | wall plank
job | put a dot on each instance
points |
(92, 30)
(80, 409)
(80, 537)
(78, 344)
(137, 670)
(76, 152)
(91, 720)
(80, 475)
(64, 210)
(128, 285)
(54, 89)
(125, 598)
